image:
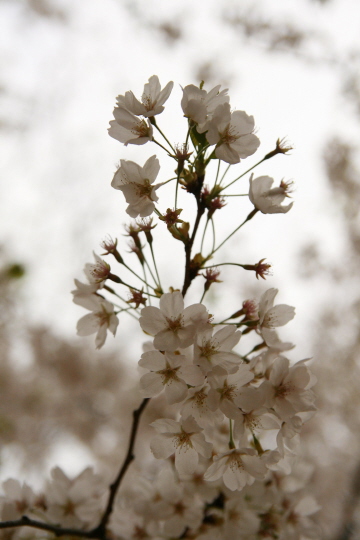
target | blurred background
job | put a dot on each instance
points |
(294, 66)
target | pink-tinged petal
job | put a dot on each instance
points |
(213, 400)
(152, 360)
(280, 315)
(118, 132)
(254, 466)
(152, 320)
(267, 301)
(166, 425)
(172, 304)
(151, 385)
(279, 370)
(124, 118)
(186, 336)
(229, 409)
(87, 325)
(191, 426)
(162, 447)
(151, 169)
(227, 154)
(101, 336)
(216, 469)
(175, 391)
(195, 313)
(299, 376)
(133, 104)
(201, 446)
(236, 479)
(166, 340)
(227, 337)
(131, 171)
(242, 122)
(192, 375)
(186, 460)
(165, 93)
(246, 146)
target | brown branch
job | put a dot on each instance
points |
(100, 530)
(24, 521)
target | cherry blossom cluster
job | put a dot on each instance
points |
(233, 405)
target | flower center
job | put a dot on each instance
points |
(143, 190)
(208, 349)
(141, 129)
(227, 392)
(168, 374)
(182, 439)
(235, 462)
(175, 324)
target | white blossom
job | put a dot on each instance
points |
(83, 294)
(99, 321)
(291, 392)
(75, 502)
(211, 350)
(168, 371)
(128, 128)
(198, 105)
(271, 316)
(232, 132)
(225, 389)
(184, 439)
(237, 468)
(152, 99)
(97, 273)
(136, 183)
(266, 199)
(173, 326)
(18, 500)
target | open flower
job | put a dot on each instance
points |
(199, 105)
(136, 184)
(271, 316)
(173, 326)
(290, 388)
(152, 99)
(232, 132)
(168, 371)
(99, 321)
(211, 350)
(128, 128)
(225, 389)
(237, 467)
(266, 199)
(185, 439)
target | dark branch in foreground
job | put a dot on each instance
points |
(100, 530)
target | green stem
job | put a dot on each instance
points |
(161, 146)
(203, 236)
(250, 216)
(214, 235)
(141, 279)
(155, 266)
(159, 130)
(231, 440)
(243, 174)
(225, 172)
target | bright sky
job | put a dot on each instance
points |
(60, 81)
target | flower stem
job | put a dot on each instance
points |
(243, 174)
(250, 216)
(231, 440)
(159, 130)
